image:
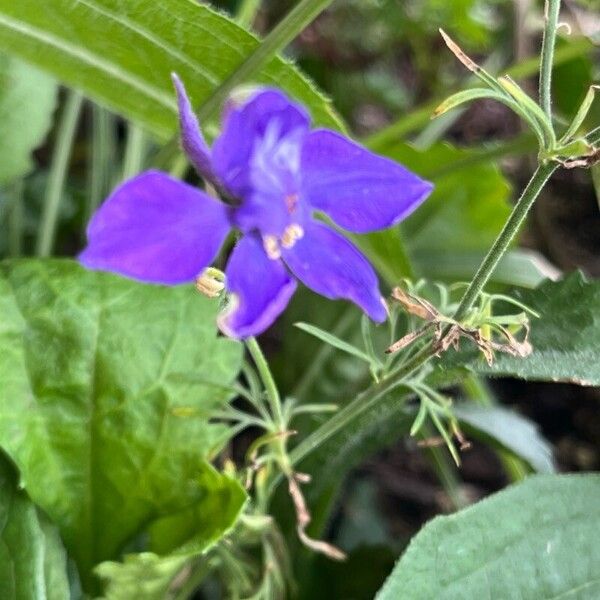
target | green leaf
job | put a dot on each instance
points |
(536, 540)
(509, 430)
(177, 538)
(33, 563)
(334, 341)
(122, 54)
(107, 389)
(27, 101)
(565, 339)
(522, 268)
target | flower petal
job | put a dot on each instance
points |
(359, 190)
(261, 290)
(330, 265)
(192, 139)
(156, 229)
(268, 111)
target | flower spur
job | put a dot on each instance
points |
(275, 173)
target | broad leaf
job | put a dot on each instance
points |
(122, 54)
(27, 101)
(509, 430)
(536, 540)
(107, 388)
(565, 339)
(33, 563)
(179, 537)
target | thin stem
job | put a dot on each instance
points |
(551, 10)
(15, 220)
(281, 35)
(58, 172)
(103, 149)
(267, 378)
(135, 151)
(247, 13)
(371, 396)
(506, 236)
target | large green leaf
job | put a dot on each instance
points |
(27, 101)
(122, 53)
(177, 538)
(534, 541)
(33, 562)
(565, 339)
(107, 387)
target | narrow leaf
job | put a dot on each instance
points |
(334, 341)
(466, 96)
(581, 114)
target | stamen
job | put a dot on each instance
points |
(211, 282)
(271, 246)
(291, 235)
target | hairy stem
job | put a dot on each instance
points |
(551, 10)
(372, 395)
(58, 172)
(16, 219)
(247, 12)
(507, 235)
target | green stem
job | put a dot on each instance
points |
(247, 13)
(15, 220)
(103, 150)
(371, 396)
(507, 235)
(135, 151)
(58, 172)
(551, 10)
(281, 35)
(267, 378)
(421, 115)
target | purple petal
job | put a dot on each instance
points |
(261, 287)
(330, 265)
(156, 229)
(192, 139)
(359, 190)
(268, 113)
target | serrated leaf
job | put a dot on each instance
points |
(122, 54)
(27, 101)
(33, 563)
(509, 430)
(565, 339)
(175, 540)
(536, 541)
(105, 398)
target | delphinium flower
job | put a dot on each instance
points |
(274, 174)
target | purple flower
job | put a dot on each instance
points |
(275, 173)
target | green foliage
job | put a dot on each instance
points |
(508, 430)
(32, 559)
(128, 66)
(177, 538)
(534, 540)
(27, 101)
(107, 389)
(565, 339)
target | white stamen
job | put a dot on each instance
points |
(211, 282)
(291, 235)
(271, 246)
